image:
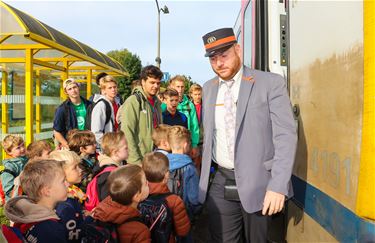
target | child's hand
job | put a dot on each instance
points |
(88, 213)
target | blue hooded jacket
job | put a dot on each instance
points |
(190, 180)
(70, 213)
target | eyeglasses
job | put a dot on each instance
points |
(22, 145)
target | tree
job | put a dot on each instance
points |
(132, 64)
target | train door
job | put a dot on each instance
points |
(318, 46)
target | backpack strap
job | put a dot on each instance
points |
(108, 113)
(139, 98)
(14, 174)
(106, 168)
(135, 219)
(160, 195)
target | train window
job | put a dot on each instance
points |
(247, 35)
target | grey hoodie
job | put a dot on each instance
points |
(24, 210)
(98, 118)
(36, 222)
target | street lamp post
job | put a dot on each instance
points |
(165, 11)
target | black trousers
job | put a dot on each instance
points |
(228, 221)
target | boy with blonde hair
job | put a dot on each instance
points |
(71, 210)
(195, 93)
(115, 152)
(156, 167)
(14, 162)
(44, 183)
(127, 188)
(160, 138)
(105, 108)
(183, 175)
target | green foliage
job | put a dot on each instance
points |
(3, 219)
(132, 64)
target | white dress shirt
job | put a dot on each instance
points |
(220, 153)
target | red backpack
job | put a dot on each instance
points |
(12, 234)
(92, 189)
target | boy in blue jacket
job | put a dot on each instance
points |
(71, 212)
(44, 183)
(14, 162)
(183, 178)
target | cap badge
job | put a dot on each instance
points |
(211, 39)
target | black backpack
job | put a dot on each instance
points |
(90, 108)
(139, 98)
(95, 231)
(176, 182)
(157, 216)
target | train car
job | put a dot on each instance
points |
(326, 52)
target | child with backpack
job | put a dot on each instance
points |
(156, 168)
(160, 139)
(36, 150)
(183, 179)
(44, 183)
(127, 188)
(13, 163)
(115, 151)
(70, 211)
(102, 113)
(83, 143)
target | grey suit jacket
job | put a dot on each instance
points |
(265, 137)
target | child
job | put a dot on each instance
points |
(195, 93)
(13, 164)
(38, 150)
(71, 210)
(156, 168)
(127, 188)
(83, 143)
(171, 115)
(182, 169)
(160, 138)
(44, 183)
(101, 122)
(115, 151)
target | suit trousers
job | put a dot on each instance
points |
(228, 221)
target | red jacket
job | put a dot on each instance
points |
(128, 232)
(181, 220)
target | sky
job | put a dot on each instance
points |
(111, 25)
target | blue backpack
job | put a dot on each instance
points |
(157, 216)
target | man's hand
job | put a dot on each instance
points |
(273, 202)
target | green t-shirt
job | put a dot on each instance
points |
(81, 115)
